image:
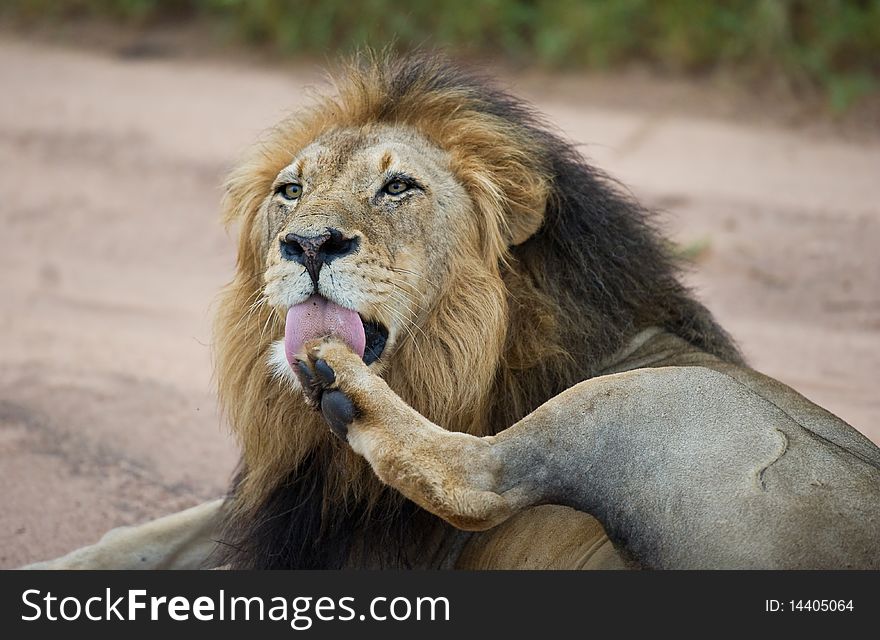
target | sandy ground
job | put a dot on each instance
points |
(111, 254)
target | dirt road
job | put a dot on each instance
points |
(111, 253)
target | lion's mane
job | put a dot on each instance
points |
(570, 268)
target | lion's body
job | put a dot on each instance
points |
(510, 274)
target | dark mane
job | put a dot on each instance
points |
(596, 272)
(293, 530)
(598, 263)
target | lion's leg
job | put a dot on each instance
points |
(688, 466)
(183, 540)
(455, 476)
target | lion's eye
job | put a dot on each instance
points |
(290, 191)
(395, 187)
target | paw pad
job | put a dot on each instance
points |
(339, 412)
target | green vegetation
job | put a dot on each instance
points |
(830, 44)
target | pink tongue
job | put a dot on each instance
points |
(318, 317)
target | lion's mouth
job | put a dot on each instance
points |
(319, 317)
(376, 335)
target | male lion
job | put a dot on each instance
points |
(487, 324)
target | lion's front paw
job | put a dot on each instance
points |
(453, 475)
(330, 376)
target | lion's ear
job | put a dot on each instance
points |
(525, 188)
(527, 202)
(523, 226)
(244, 206)
(509, 221)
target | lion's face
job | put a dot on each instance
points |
(369, 220)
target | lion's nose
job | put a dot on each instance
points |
(313, 252)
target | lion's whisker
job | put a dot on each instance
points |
(252, 309)
(420, 276)
(415, 290)
(405, 324)
(269, 317)
(408, 324)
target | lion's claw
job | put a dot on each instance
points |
(325, 373)
(307, 381)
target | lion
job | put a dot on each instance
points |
(452, 343)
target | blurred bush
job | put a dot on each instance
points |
(830, 44)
